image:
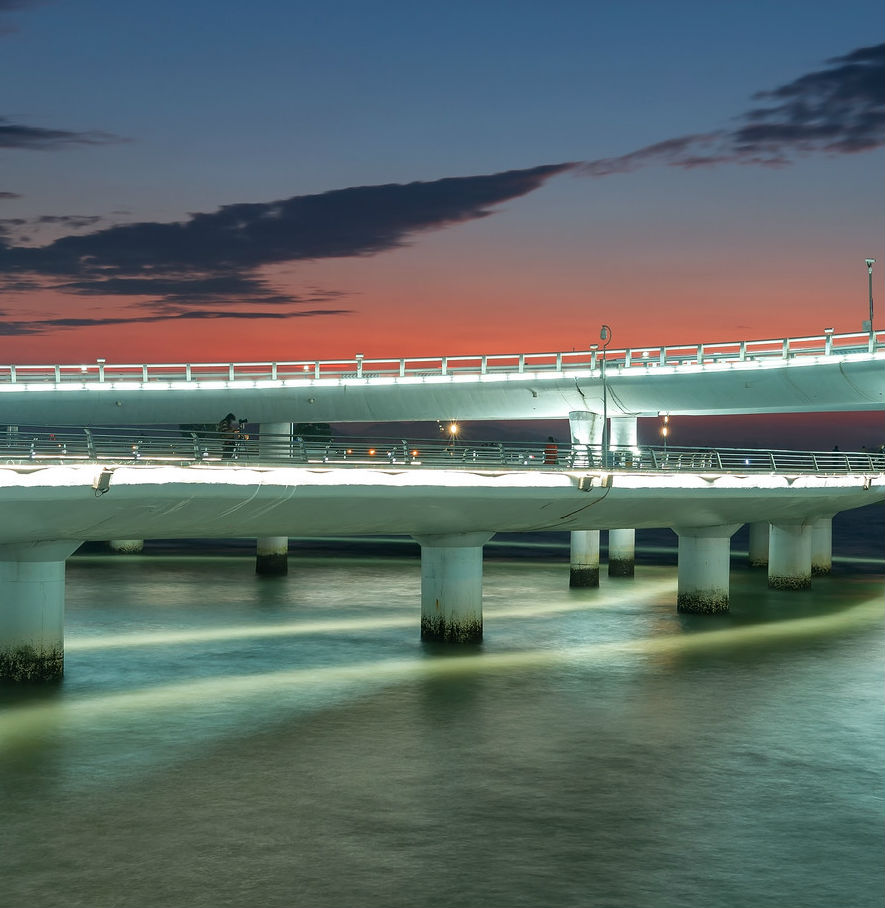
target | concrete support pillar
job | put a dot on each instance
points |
(272, 552)
(584, 567)
(704, 567)
(451, 586)
(758, 544)
(126, 546)
(822, 546)
(586, 432)
(32, 610)
(272, 556)
(621, 552)
(624, 440)
(789, 556)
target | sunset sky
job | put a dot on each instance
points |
(201, 180)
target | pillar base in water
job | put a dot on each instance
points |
(789, 583)
(583, 577)
(710, 602)
(442, 630)
(272, 556)
(26, 664)
(126, 546)
(621, 567)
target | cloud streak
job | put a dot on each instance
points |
(836, 110)
(36, 138)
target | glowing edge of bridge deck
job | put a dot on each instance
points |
(59, 502)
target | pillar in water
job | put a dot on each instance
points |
(126, 546)
(621, 553)
(584, 567)
(758, 544)
(272, 556)
(704, 567)
(822, 546)
(272, 552)
(32, 609)
(789, 556)
(451, 586)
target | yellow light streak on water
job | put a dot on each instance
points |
(22, 724)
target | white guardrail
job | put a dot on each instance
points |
(827, 344)
(43, 447)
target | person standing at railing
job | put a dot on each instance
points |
(229, 429)
(551, 451)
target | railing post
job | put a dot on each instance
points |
(273, 371)
(57, 374)
(785, 353)
(662, 359)
(484, 365)
(444, 366)
(700, 357)
(522, 362)
(90, 444)
(743, 352)
(12, 374)
(230, 371)
(144, 376)
(628, 358)
(402, 368)
(592, 360)
(101, 363)
(359, 365)
(559, 362)
(187, 372)
(316, 370)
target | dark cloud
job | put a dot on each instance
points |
(836, 110)
(36, 138)
(9, 195)
(12, 328)
(215, 255)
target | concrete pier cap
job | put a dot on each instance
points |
(704, 566)
(32, 608)
(451, 586)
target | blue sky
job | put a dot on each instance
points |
(150, 114)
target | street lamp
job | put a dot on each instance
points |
(605, 335)
(870, 272)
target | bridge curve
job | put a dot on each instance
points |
(830, 373)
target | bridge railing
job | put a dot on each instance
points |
(36, 446)
(360, 367)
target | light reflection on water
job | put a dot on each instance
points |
(225, 740)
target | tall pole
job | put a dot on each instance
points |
(605, 335)
(870, 273)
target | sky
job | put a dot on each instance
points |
(210, 180)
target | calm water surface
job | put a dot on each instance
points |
(221, 739)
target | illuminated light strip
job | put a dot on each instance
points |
(21, 725)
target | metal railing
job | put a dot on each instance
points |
(360, 367)
(43, 446)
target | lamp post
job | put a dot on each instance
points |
(870, 273)
(605, 335)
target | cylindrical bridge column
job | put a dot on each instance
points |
(822, 546)
(704, 567)
(621, 552)
(272, 552)
(32, 610)
(789, 564)
(584, 567)
(758, 544)
(451, 586)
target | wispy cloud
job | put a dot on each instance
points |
(37, 138)
(836, 110)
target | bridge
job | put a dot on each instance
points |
(826, 373)
(69, 485)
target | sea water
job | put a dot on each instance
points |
(226, 739)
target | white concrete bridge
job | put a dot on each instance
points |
(61, 490)
(826, 373)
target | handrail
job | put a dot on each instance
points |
(41, 445)
(363, 368)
